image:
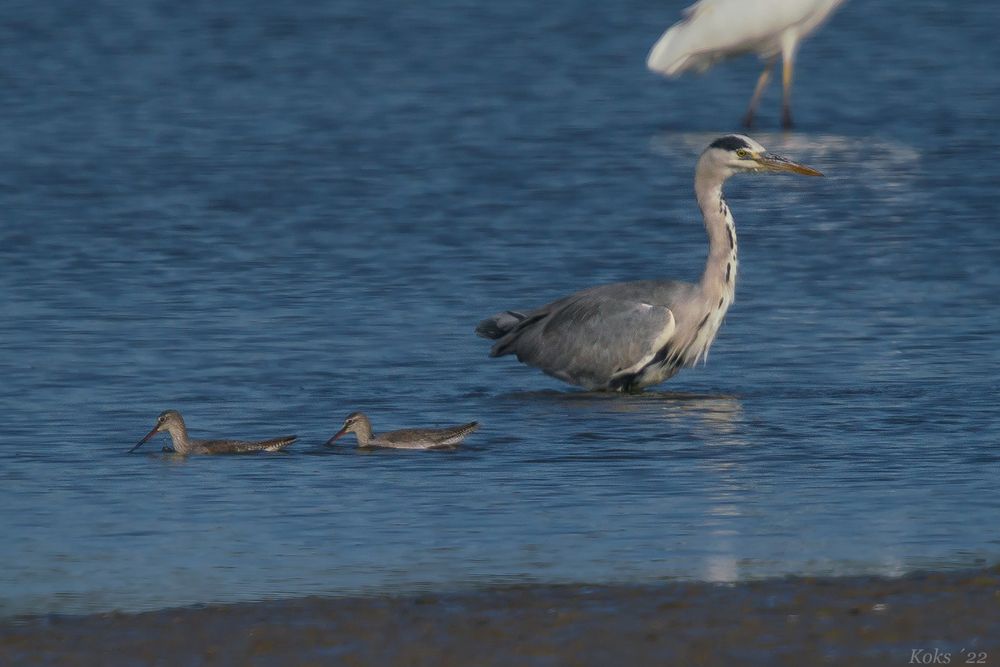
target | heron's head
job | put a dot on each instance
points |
(356, 422)
(166, 420)
(736, 153)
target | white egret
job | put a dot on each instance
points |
(713, 30)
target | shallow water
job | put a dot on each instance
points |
(269, 218)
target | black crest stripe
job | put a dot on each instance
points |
(729, 143)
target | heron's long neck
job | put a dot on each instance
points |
(718, 282)
(179, 436)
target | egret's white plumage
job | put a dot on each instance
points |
(713, 30)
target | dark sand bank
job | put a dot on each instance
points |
(797, 621)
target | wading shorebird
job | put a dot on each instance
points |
(409, 438)
(172, 422)
(714, 30)
(627, 336)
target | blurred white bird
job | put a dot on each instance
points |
(713, 30)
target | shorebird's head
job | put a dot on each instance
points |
(738, 153)
(166, 420)
(356, 422)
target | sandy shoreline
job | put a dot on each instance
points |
(916, 619)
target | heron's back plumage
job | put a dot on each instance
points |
(499, 325)
(599, 338)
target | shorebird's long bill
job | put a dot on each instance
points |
(141, 442)
(337, 435)
(779, 163)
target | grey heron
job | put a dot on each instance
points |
(713, 30)
(627, 336)
(410, 438)
(172, 422)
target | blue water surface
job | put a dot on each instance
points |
(268, 215)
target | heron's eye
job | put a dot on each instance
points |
(742, 153)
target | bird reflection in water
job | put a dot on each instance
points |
(715, 416)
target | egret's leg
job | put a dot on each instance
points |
(762, 81)
(786, 94)
(788, 48)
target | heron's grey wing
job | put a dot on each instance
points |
(590, 338)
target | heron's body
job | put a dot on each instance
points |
(172, 422)
(627, 336)
(714, 30)
(410, 438)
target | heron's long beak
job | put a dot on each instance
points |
(148, 436)
(778, 163)
(336, 435)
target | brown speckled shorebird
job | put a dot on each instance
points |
(408, 438)
(172, 422)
